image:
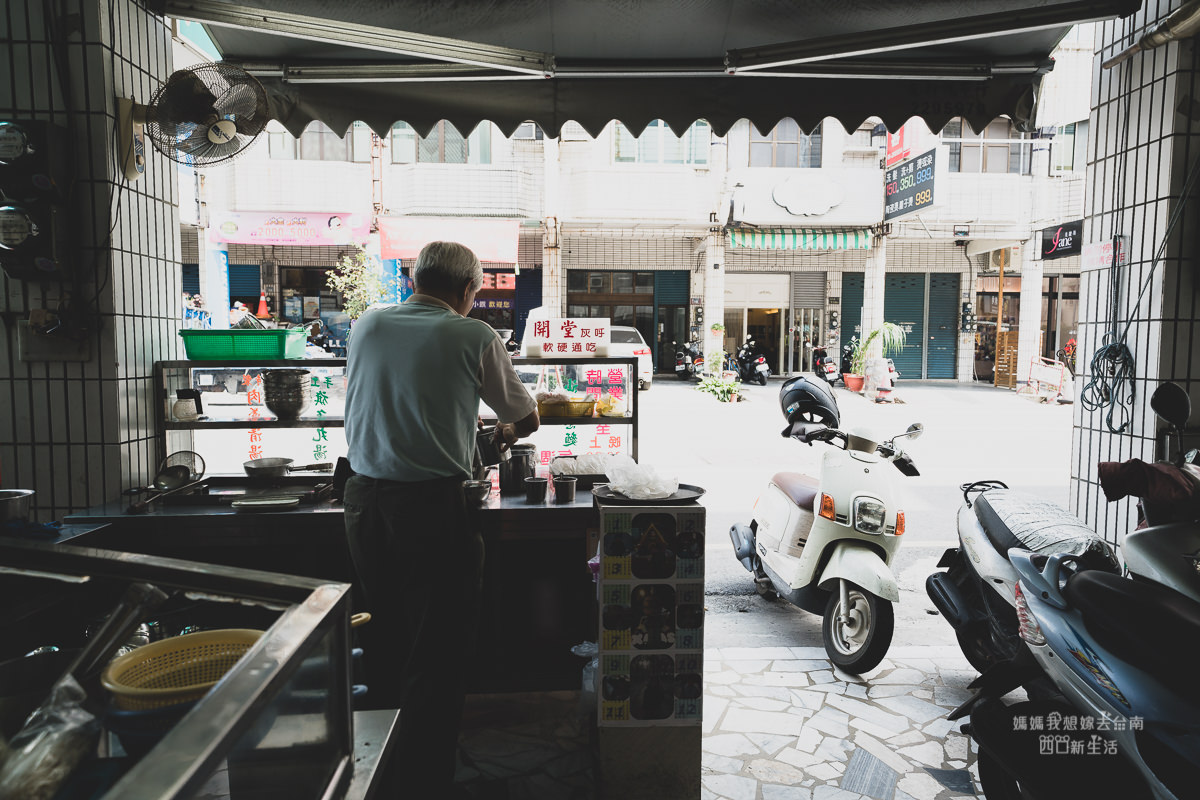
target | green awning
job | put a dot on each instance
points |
(801, 238)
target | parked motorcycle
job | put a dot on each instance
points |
(1113, 649)
(975, 592)
(751, 366)
(826, 544)
(824, 366)
(689, 361)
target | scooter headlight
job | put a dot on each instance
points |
(869, 515)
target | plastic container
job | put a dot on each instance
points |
(175, 670)
(276, 343)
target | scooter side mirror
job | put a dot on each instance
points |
(915, 430)
(1172, 403)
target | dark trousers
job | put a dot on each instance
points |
(419, 561)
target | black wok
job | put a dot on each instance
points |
(279, 467)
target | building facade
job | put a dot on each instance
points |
(780, 235)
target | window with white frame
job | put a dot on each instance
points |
(443, 145)
(320, 143)
(659, 145)
(1067, 150)
(1000, 148)
(785, 145)
(528, 130)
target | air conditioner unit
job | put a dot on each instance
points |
(1008, 257)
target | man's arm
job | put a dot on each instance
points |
(502, 390)
(507, 433)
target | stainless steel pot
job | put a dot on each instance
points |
(489, 451)
(14, 505)
(521, 464)
(278, 467)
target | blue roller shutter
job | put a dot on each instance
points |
(942, 360)
(244, 280)
(529, 296)
(671, 287)
(852, 302)
(191, 278)
(904, 305)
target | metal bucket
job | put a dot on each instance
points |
(521, 464)
(14, 505)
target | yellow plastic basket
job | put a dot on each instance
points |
(175, 670)
(570, 409)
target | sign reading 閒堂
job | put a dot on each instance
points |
(576, 338)
(908, 187)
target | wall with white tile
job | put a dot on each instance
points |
(80, 432)
(1144, 141)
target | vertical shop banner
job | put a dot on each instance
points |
(651, 615)
(215, 289)
(908, 187)
(397, 287)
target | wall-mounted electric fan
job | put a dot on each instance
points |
(204, 115)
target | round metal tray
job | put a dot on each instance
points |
(686, 493)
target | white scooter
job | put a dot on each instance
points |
(827, 545)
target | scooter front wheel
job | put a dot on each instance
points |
(858, 644)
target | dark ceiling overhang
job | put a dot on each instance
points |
(593, 61)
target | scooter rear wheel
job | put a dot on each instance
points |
(861, 644)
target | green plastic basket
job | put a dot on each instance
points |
(233, 344)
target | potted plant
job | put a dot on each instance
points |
(357, 280)
(724, 389)
(891, 338)
(718, 385)
(717, 328)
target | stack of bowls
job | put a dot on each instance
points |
(286, 392)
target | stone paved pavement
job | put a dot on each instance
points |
(781, 723)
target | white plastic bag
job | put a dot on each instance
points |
(638, 482)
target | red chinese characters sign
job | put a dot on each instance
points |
(576, 338)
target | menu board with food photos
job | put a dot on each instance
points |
(651, 615)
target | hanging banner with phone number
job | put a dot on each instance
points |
(908, 187)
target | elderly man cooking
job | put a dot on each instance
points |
(416, 373)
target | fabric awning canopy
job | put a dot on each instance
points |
(593, 61)
(800, 239)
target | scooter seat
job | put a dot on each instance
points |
(1016, 519)
(802, 489)
(1150, 626)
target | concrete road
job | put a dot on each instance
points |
(732, 449)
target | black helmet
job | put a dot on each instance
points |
(804, 400)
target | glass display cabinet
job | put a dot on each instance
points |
(602, 414)
(244, 412)
(252, 409)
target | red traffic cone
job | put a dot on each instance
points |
(263, 313)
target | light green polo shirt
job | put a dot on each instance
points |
(416, 373)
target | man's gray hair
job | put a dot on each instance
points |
(447, 267)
